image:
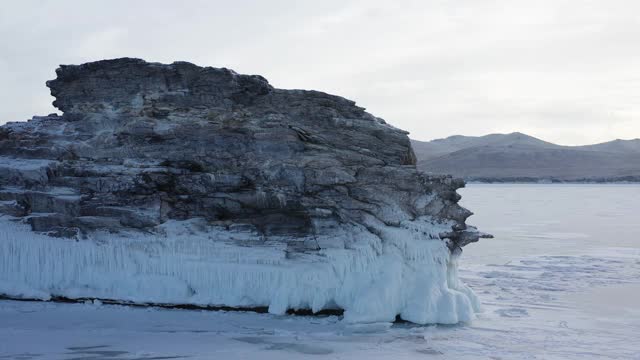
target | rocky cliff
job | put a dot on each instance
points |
(206, 156)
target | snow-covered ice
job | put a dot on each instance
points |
(561, 282)
(372, 281)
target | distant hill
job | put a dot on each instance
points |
(518, 157)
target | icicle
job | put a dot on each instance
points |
(375, 279)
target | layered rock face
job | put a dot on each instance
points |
(180, 154)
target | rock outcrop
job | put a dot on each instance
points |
(142, 147)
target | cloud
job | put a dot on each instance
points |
(563, 69)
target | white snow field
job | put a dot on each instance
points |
(561, 280)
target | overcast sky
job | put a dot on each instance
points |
(564, 71)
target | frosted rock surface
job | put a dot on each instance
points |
(189, 185)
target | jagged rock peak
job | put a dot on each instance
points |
(127, 83)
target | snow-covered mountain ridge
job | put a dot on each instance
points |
(518, 157)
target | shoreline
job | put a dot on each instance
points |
(472, 182)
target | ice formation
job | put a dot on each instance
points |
(176, 184)
(373, 281)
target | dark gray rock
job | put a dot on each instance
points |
(141, 143)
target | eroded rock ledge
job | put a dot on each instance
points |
(145, 148)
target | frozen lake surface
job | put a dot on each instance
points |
(561, 280)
